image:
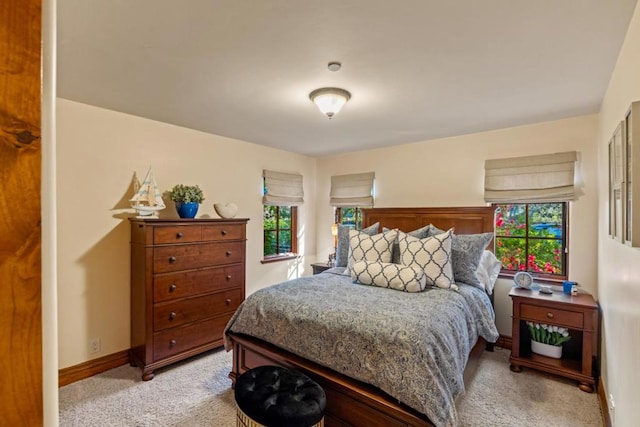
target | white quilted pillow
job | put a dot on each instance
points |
(389, 275)
(432, 255)
(376, 248)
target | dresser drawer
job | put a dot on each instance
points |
(552, 316)
(170, 286)
(177, 313)
(177, 234)
(176, 340)
(223, 232)
(184, 257)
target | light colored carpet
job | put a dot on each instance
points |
(198, 392)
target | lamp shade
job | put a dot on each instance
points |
(330, 100)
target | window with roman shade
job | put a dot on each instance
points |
(531, 196)
(531, 179)
(354, 190)
(282, 194)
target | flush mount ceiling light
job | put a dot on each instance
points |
(330, 99)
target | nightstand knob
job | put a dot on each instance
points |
(227, 301)
(550, 315)
(172, 343)
(228, 253)
(173, 287)
(172, 315)
(172, 259)
(178, 236)
(223, 232)
(228, 277)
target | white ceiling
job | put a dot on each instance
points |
(416, 69)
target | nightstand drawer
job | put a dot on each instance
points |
(552, 316)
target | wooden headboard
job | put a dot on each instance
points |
(465, 220)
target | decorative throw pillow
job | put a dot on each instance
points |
(432, 255)
(363, 247)
(389, 275)
(420, 233)
(466, 254)
(342, 251)
(488, 271)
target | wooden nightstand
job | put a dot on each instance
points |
(319, 267)
(578, 313)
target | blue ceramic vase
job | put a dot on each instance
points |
(187, 210)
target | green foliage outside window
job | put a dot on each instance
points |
(351, 217)
(277, 230)
(530, 237)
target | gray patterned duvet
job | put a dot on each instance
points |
(413, 346)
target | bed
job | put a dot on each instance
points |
(379, 389)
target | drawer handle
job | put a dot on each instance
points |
(172, 315)
(228, 277)
(223, 232)
(228, 253)
(172, 259)
(179, 235)
(173, 287)
(227, 301)
(550, 315)
(172, 343)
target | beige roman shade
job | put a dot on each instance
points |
(543, 178)
(355, 190)
(282, 189)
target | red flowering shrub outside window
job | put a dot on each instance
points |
(532, 237)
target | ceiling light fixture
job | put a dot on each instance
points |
(330, 99)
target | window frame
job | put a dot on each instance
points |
(540, 277)
(358, 215)
(294, 237)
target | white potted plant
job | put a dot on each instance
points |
(187, 199)
(547, 340)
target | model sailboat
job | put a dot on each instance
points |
(147, 199)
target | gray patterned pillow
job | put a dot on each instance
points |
(342, 251)
(420, 233)
(432, 255)
(466, 255)
(388, 275)
(363, 247)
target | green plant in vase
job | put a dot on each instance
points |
(548, 334)
(187, 199)
(548, 339)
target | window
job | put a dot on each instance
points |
(282, 193)
(279, 224)
(532, 237)
(349, 216)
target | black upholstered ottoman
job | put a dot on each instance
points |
(278, 397)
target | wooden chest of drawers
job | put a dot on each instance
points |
(187, 279)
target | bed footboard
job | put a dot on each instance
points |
(349, 402)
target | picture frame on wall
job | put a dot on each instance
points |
(631, 187)
(616, 179)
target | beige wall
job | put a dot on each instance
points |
(450, 172)
(98, 151)
(619, 265)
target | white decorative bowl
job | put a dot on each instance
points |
(226, 210)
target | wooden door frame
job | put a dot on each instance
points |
(21, 335)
